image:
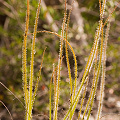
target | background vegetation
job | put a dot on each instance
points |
(84, 20)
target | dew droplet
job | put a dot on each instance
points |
(34, 51)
